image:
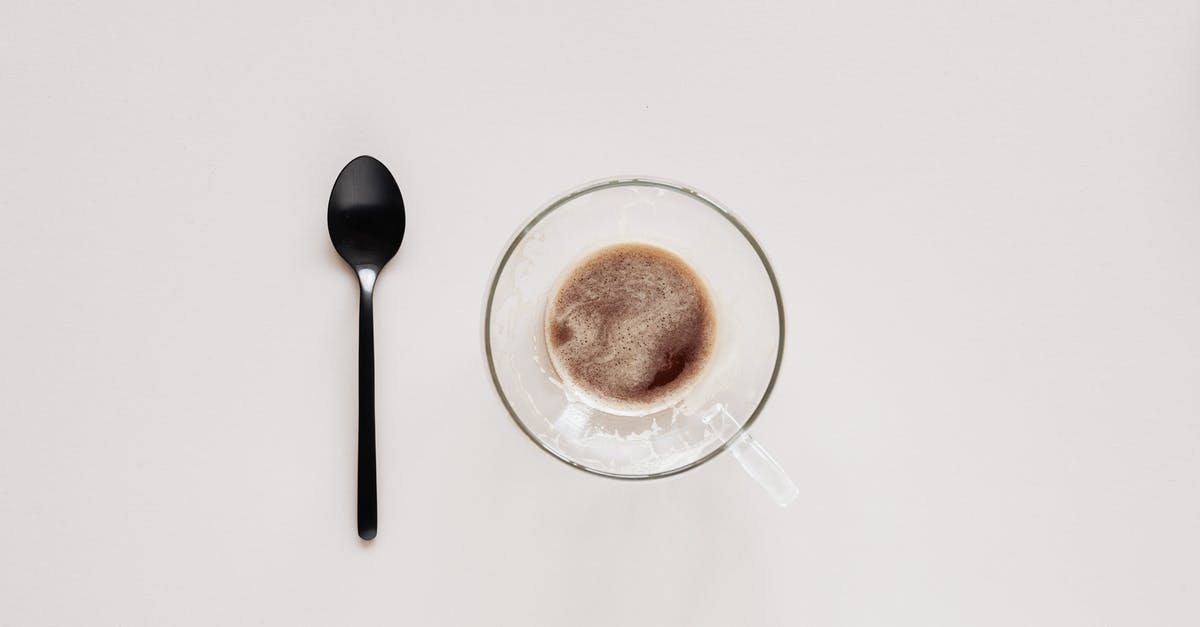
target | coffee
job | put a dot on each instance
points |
(631, 327)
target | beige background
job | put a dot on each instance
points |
(984, 217)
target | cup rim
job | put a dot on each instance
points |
(551, 207)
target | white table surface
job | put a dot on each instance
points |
(985, 220)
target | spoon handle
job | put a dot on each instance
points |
(368, 506)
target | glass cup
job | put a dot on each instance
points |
(728, 395)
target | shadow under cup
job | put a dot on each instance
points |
(728, 394)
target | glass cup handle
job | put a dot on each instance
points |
(763, 468)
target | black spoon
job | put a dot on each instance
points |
(366, 225)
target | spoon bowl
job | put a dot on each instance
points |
(366, 214)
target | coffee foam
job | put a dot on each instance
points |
(631, 326)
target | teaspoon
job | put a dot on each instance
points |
(366, 226)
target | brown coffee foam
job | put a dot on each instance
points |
(631, 324)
